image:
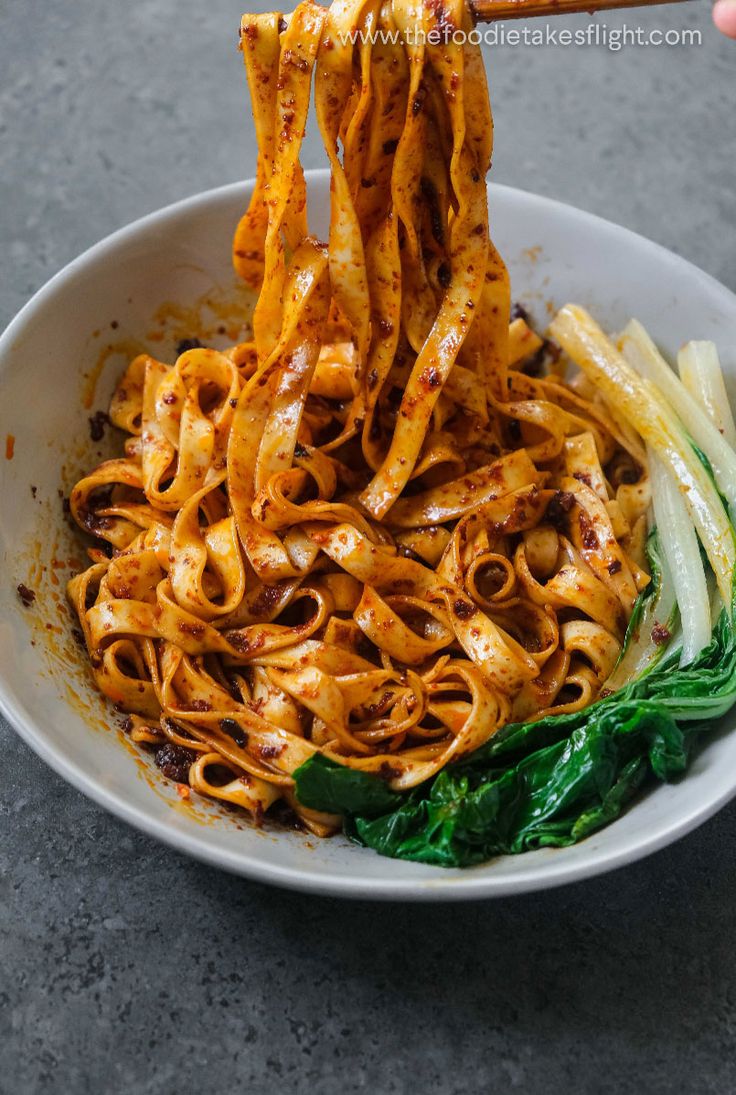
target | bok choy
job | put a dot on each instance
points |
(682, 552)
(700, 372)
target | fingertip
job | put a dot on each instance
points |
(724, 17)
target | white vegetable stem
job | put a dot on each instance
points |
(643, 355)
(649, 412)
(682, 552)
(700, 372)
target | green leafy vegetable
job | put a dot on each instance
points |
(655, 605)
(365, 794)
(547, 783)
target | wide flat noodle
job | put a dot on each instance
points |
(369, 532)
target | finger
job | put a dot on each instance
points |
(724, 17)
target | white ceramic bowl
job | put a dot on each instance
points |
(74, 337)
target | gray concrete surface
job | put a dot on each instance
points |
(126, 968)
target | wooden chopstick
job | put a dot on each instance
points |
(489, 11)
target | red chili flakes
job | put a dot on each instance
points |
(270, 752)
(195, 630)
(290, 57)
(387, 772)
(264, 604)
(587, 532)
(431, 378)
(174, 762)
(464, 610)
(660, 634)
(373, 710)
(560, 505)
(240, 642)
(97, 424)
(95, 524)
(26, 595)
(10, 446)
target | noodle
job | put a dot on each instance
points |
(366, 533)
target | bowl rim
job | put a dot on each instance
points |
(470, 884)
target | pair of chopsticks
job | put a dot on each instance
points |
(491, 11)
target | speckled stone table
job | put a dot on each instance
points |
(126, 968)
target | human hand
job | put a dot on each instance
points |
(724, 17)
